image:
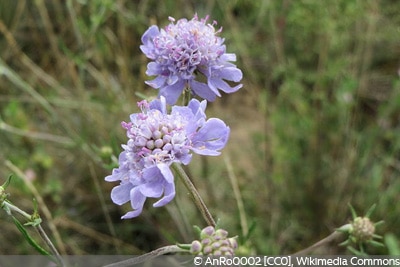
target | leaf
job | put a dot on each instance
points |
(32, 242)
(370, 211)
(250, 231)
(376, 244)
(347, 228)
(353, 212)
(184, 246)
(7, 182)
(393, 244)
(197, 229)
(356, 252)
(34, 222)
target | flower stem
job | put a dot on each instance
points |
(194, 193)
(11, 207)
(16, 209)
(147, 256)
(187, 95)
(326, 240)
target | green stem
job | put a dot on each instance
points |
(194, 193)
(38, 228)
(16, 209)
(187, 95)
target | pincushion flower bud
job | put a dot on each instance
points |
(363, 229)
(189, 54)
(214, 243)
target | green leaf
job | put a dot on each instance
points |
(377, 236)
(250, 231)
(7, 182)
(184, 246)
(353, 212)
(370, 211)
(393, 244)
(26, 235)
(355, 251)
(197, 230)
(347, 228)
(34, 222)
(376, 244)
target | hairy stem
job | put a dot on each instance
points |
(147, 256)
(326, 240)
(38, 228)
(42, 205)
(194, 193)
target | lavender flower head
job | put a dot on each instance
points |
(156, 140)
(184, 55)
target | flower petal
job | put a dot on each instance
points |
(210, 138)
(169, 194)
(195, 105)
(172, 92)
(166, 172)
(153, 189)
(154, 69)
(147, 40)
(203, 90)
(217, 82)
(159, 104)
(121, 193)
(116, 175)
(137, 198)
(230, 74)
(132, 214)
(157, 82)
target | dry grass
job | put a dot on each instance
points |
(314, 127)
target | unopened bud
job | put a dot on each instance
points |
(214, 242)
(363, 229)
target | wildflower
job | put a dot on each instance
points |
(156, 140)
(214, 242)
(185, 54)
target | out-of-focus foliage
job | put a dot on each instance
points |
(315, 127)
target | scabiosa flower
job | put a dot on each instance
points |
(184, 52)
(156, 140)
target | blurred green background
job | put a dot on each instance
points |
(315, 127)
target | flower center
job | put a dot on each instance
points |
(155, 137)
(185, 45)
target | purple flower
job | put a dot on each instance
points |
(156, 140)
(185, 54)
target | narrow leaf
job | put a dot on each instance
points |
(32, 242)
(353, 212)
(370, 211)
(184, 246)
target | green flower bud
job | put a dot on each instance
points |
(196, 247)
(207, 232)
(106, 152)
(363, 229)
(214, 242)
